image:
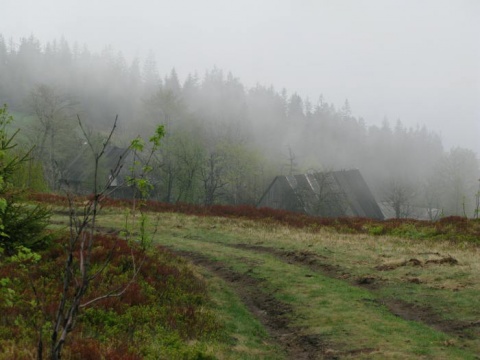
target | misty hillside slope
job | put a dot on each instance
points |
(225, 143)
(325, 295)
(209, 287)
(351, 288)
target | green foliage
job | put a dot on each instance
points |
(22, 261)
(24, 255)
(145, 237)
(376, 230)
(411, 231)
(165, 311)
(159, 134)
(29, 175)
(6, 292)
(140, 169)
(21, 224)
(137, 144)
(24, 225)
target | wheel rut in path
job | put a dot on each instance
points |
(272, 313)
(400, 308)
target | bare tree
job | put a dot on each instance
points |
(432, 197)
(212, 175)
(323, 197)
(457, 174)
(292, 162)
(189, 156)
(169, 168)
(79, 272)
(476, 211)
(399, 194)
(54, 115)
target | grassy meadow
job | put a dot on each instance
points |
(361, 296)
(266, 285)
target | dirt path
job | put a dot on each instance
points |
(272, 313)
(405, 310)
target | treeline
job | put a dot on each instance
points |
(224, 142)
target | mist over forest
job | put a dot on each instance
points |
(224, 143)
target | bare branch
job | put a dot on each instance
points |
(117, 292)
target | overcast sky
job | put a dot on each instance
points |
(417, 61)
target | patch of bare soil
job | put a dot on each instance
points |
(272, 313)
(427, 316)
(438, 260)
(107, 230)
(313, 261)
(450, 260)
(395, 265)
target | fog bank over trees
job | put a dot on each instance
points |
(225, 142)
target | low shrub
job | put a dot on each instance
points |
(166, 297)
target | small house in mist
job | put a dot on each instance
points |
(79, 174)
(327, 194)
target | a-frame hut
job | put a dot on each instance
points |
(79, 175)
(328, 194)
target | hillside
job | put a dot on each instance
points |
(225, 142)
(293, 287)
(323, 294)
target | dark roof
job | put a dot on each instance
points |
(327, 194)
(81, 169)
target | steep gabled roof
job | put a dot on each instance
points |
(81, 169)
(328, 194)
(362, 201)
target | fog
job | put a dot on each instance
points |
(417, 61)
(248, 92)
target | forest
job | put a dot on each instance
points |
(224, 142)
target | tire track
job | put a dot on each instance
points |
(272, 313)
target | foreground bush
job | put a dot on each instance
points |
(159, 315)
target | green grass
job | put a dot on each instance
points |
(330, 305)
(358, 254)
(332, 308)
(245, 337)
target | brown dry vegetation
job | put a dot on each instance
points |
(166, 298)
(453, 228)
(329, 288)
